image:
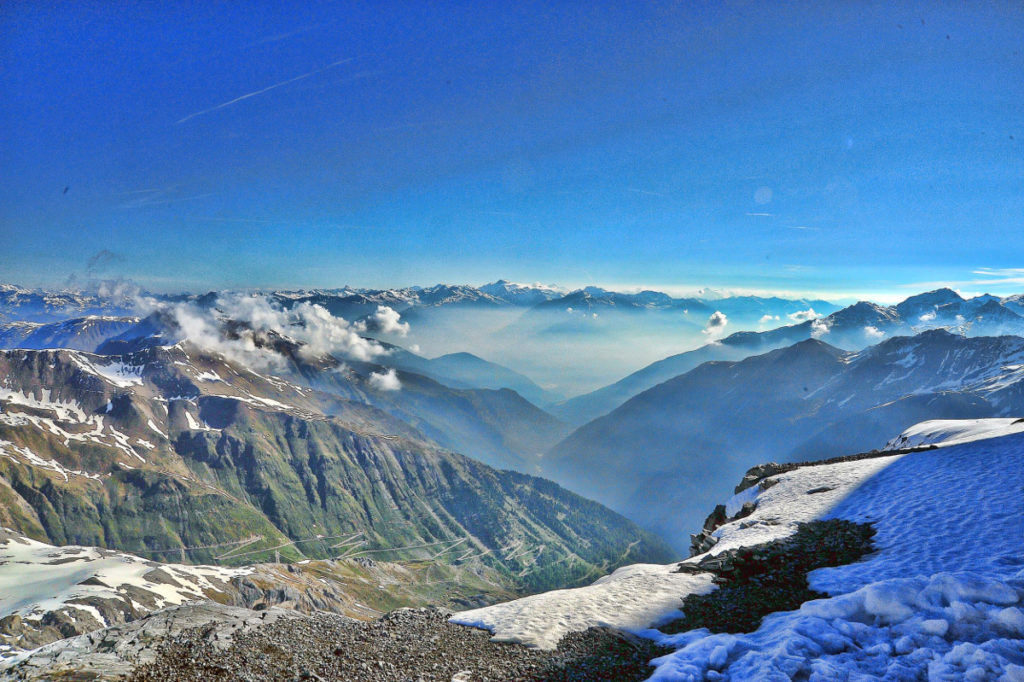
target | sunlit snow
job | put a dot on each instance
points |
(939, 599)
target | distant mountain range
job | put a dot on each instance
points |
(569, 338)
(80, 333)
(852, 328)
(38, 305)
(663, 457)
(354, 303)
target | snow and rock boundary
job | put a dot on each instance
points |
(940, 599)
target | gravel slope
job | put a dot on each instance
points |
(407, 644)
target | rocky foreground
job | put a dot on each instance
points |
(407, 644)
(199, 642)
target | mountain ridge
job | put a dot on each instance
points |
(126, 451)
(796, 403)
(856, 326)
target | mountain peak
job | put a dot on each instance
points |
(929, 300)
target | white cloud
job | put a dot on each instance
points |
(928, 317)
(765, 319)
(819, 328)
(999, 272)
(232, 324)
(385, 381)
(386, 320)
(803, 315)
(873, 333)
(716, 324)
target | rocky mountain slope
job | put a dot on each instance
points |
(662, 456)
(494, 425)
(184, 455)
(51, 593)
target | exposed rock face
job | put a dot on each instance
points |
(761, 579)
(704, 540)
(111, 653)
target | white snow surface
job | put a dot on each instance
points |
(942, 598)
(631, 598)
(116, 372)
(945, 432)
(36, 578)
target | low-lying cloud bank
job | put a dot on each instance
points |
(238, 326)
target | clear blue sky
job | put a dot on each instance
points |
(823, 147)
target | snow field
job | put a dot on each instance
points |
(942, 598)
(949, 626)
(945, 432)
(630, 598)
(36, 578)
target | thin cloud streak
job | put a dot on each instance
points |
(996, 281)
(151, 200)
(154, 201)
(265, 90)
(761, 215)
(284, 36)
(143, 191)
(646, 192)
(999, 272)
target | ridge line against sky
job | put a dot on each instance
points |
(707, 293)
(826, 149)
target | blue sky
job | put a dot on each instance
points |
(840, 149)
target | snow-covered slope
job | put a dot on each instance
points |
(946, 432)
(83, 333)
(92, 587)
(636, 596)
(939, 599)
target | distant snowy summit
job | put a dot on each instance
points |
(41, 305)
(948, 432)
